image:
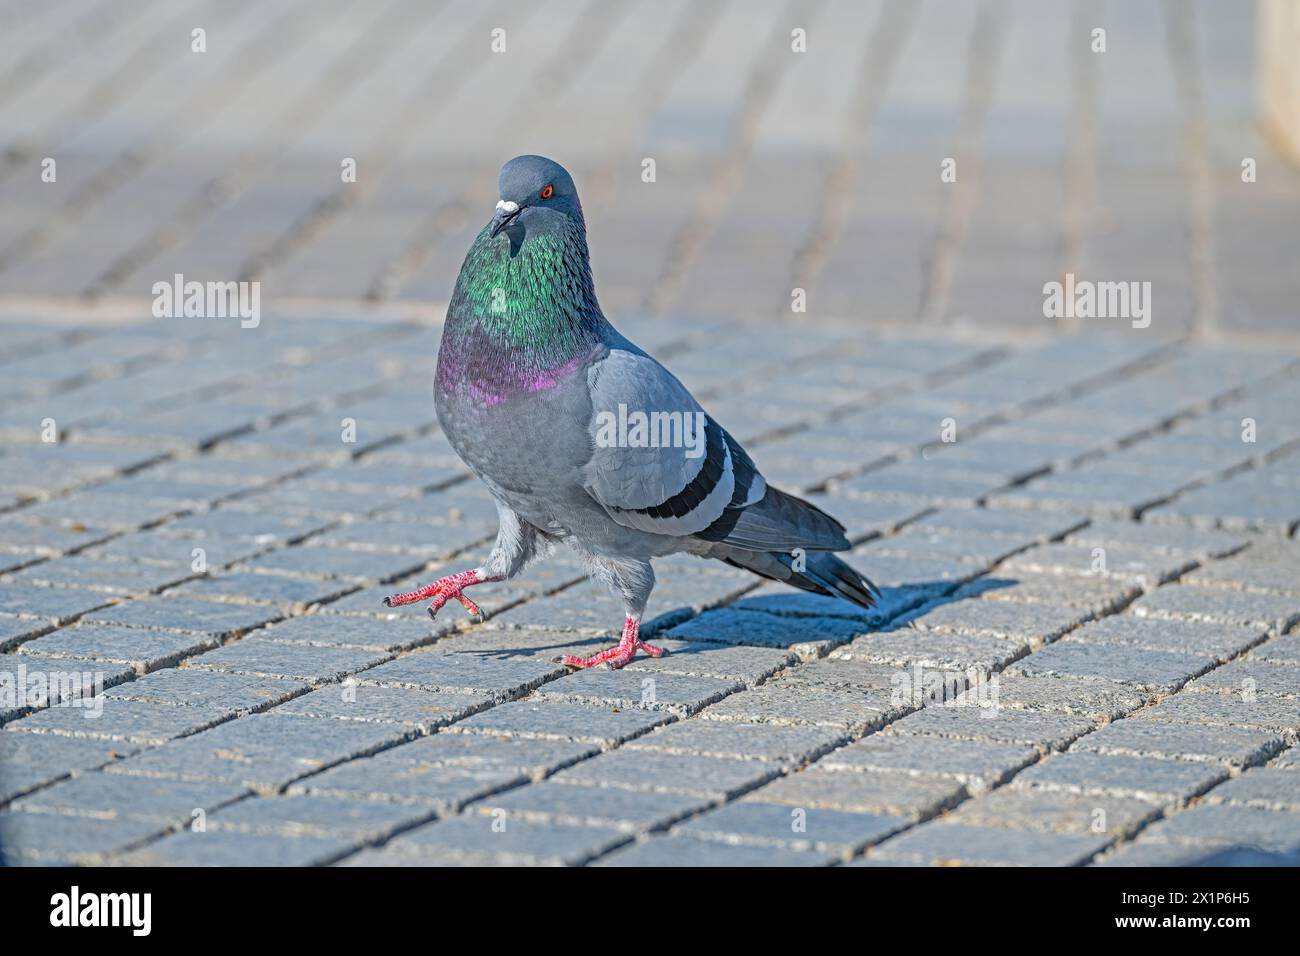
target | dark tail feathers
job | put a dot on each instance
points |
(820, 572)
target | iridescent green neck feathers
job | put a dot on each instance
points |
(523, 312)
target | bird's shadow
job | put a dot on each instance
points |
(895, 606)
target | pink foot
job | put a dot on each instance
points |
(442, 591)
(620, 655)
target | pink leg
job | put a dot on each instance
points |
(443, 590)
(620, 655)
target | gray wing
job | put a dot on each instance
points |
(659, 463)
(708, 489)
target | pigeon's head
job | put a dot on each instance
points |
(537, 194)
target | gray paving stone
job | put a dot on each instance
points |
(1247, 678)
(1146, 566)
(1034, 623)
(912, 647)
(237, 692)
(1096, 700)
(1089, 492)
(1230, 504)
(519, 841)
(1248, 572)
(30, 680)
(143, 650)
(1033, 525)
(922, 575)
(1290, 759)
(264, 527)
(385, 857)
(954, 551)
(954, 844)
(577, 805)
(1271, 612)
(1274, 714)
(1096, 595)
(129, 721)
(51, 839)
(442, 789)
(466, 673)
(715, 778)
(1220, 641)
(28, 761)
(674, 693)
(113, 578)
(316, 816)
(1280, 650)
(715, 738)
(1228, 825)
(1234, 746)
(161, 546)
(800, 705)
(1042, 729)
(1202, 542)
(749, 665)
(889, 792)
(1058, 812)
(337, 631)
(339, 564)
(686, 851)
(15, 631)
(976, 764)
(535, 758)
(1268, 788)
(981, 547)
(224, 848)
(1146, 778)
(901, 481)
(445, 771)
(96, 509)
(57, 605)
(22, 538)
(843, 669)
(563, 720)
(260, 657)
(1147, 854)
(263, 751)
(106, 796)
(418, 709)
(1136, 667)
(211, 618)
(749, 823)
(248, 587)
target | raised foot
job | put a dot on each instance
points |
(442, 591)
(617, 656)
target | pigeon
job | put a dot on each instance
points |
(586, 441)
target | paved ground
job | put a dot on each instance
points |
(774, 170)
(1146, 691)
(1088, 650)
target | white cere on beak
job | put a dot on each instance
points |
(507, 207)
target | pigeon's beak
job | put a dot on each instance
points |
(505, 215)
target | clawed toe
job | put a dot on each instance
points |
(442, 591)
(617, 656)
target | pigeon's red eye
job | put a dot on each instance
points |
(548, 191)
